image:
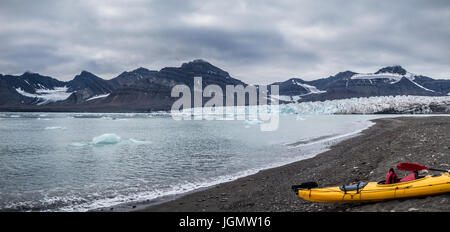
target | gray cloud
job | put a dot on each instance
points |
(256, 41)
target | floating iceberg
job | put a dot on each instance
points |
(106, 139)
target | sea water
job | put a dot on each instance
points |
(80, 162)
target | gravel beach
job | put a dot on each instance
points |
(423, 140)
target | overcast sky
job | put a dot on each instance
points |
(255, 41)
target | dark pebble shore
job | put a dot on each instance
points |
(423, 140)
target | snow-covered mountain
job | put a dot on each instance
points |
(388, 81)
(31, 88)
(146, 90)
(35, 89)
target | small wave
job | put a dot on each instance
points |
(298, 118)
(114, 118)
(145, 196)
(135, 141)
(76, 144)
(173, 190)
(252, 122)
(308, 141)
(87, 116)
(120, 119)
(46, 203)
(55, 128)
(328, 138)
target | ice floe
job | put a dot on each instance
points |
(105, 139)
(108, 139)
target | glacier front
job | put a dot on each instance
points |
(364, 105)
(372, 105)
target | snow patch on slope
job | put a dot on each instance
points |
(421, 86)
(46, 96)
(98, 96)
(294, 98)
(393, 77)
(311, 89)
(287, 98)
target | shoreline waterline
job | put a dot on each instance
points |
(141, 205)
(120, 196)
(361, 158)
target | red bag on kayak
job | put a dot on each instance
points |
(409, 177)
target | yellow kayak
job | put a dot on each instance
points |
(373, 191)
